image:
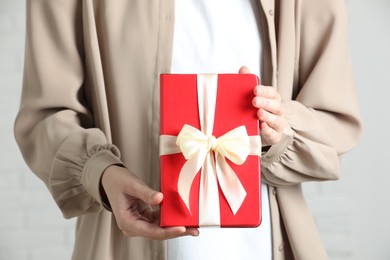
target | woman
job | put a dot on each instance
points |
(91, 90)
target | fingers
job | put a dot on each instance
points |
(244, 70)
(269, 135)
(275, 121)
(153, 231)
(271, 126)
(270, 109)
(135, 224)
(271, 105)
(139, 219)
(270, 113)
(266, 92)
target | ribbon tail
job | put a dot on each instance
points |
(230, 185)
(187, 176)
(209, 213)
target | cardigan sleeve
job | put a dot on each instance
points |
(322, 112)
(54, 126)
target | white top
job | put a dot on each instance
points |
(220, 36)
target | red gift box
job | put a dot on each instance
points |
(209, 151)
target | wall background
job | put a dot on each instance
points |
(352, 214)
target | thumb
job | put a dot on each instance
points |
(146, 194)
(244, 70)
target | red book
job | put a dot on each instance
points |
(223, 189)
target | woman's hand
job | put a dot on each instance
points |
(132, 204)
(269, 111)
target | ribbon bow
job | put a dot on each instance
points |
(197, 148)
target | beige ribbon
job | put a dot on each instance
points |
(206, 153)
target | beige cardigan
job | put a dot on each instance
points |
(91, 81)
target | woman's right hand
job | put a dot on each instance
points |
(132, 203)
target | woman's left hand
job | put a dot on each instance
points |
(269, 111)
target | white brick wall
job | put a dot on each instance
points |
(352, 214)
(31, 226)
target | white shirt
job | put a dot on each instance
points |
(219, 36)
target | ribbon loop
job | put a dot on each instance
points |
(235, 145)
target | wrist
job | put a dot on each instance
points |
(103, 185)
